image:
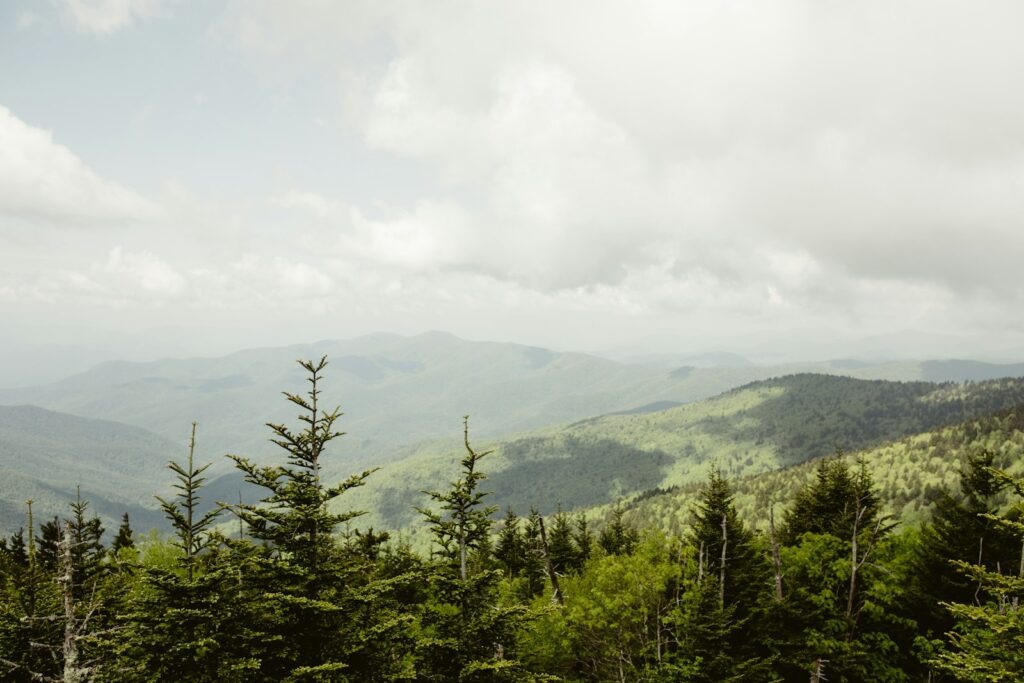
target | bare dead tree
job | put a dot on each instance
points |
(818, 674)
(858, 560)
(556, 594)
(721, 564)
(776, 557)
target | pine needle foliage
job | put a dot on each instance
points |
(294, 518)
(190, 527)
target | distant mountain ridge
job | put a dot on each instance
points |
(404, 395)
(397, 391)
(45, 455)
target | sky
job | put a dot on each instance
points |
(781, 179)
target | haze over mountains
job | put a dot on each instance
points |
(113, 428)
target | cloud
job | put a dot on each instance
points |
(26, 20)
(109, 16)
(311, 202)
(142, 271)
(584, 142)
(689, 166)
(41, 180)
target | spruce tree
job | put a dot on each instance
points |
(468, 635)
(565, 556)
(181, 625)
(124, 538)
(324, 612)
(959, 530)
(987, 639)
(511, 546)
(835, 501)
(617, 537)
(731, 567)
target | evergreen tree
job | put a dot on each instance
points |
(331, 616)
(87, 548)
(124, 538)
(46, 544)
(987, 641)
(468, 635)
(28, 611)
(511, 546)
(731, 567)
(181, 625)
(565, 556)
(618, 538)
(583, 539)
(833, 502)
(959, 530)
(534, 571)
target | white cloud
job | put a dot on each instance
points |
(132, 271)
(312, 202)
(697, 165)
(584, 139)
(110, 16)
(27, 20)
(43, 180)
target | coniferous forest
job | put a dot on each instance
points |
(821, 584)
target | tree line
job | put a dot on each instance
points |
(287, 589)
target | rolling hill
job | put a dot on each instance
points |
(399, 391)
(908, 474)
(45, 455)
(758, 428)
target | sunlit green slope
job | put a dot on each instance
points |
(758, 428)
(909, 473)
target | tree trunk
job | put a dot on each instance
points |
(776, 558)
(721, 564)
(556, 594)
(818, 675)
(73, 673)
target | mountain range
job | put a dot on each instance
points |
(569, 428)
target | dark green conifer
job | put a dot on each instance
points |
(468, 635)
(124, 538)
(617, 537)
(323, 610)
(510, 548)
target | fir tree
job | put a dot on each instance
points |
(469, 636)
(124, 538)
(618, 538)
(511, 546)
(987, 641)
(564, 555)
(331, 614)
(182, 626)
(729, 565)
(833, 503)
(959, 530)
(583, 539)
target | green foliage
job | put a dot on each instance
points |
(294, 517)
(617, 537)
(833, 503)
(467, 634)
(304, 595)
(987, 640)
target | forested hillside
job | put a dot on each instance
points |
(832, 588)
(909, 474)
(399, 391)
(46, 456)
(757, 428)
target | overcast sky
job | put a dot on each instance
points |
(195, 177)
